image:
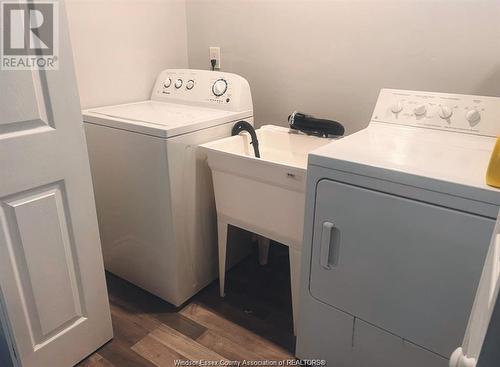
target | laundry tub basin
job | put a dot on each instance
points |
(263, 195)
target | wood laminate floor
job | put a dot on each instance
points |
(253, 321)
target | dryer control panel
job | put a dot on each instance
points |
(213, 89)
(461, 113)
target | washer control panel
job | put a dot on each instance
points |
(202, 87)
(443, 111)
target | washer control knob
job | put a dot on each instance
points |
(219, 87)
(178, 83)
(397, 107)
(167, 83)
(190, 84)
(473, 116)
(445, 112)
(420, 110)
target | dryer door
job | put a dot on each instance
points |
(408, 267)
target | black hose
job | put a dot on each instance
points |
(245, 126)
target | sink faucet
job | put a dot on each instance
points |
(245, 126)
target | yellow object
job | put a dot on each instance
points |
(493, 173)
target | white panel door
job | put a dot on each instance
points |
(52, 284)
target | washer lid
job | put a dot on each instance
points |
(160, 118)
(450, 163)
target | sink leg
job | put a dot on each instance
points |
(294, 256)
(264, 244)
(222, 234)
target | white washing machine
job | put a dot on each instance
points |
(152, 185)
(398, 223)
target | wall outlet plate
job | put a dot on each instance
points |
(214, 54)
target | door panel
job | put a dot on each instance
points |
(52, 287)
(30, 107)
(408, 267)
(42, 252)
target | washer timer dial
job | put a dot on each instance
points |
(219, 87)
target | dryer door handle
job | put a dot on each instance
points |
(329, 247)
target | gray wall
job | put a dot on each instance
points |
(330, 58)
(120, 46)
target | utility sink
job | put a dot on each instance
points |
(263, 195)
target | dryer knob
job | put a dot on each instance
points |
(473, 116)
(190, 84)
(445, 112)
(420, 110)
(178, 83)
(167, 83)
(397, 107)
